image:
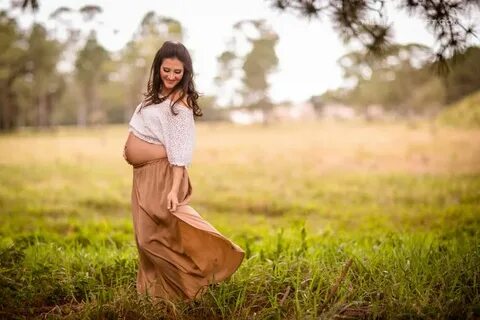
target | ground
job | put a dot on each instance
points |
(347, 219)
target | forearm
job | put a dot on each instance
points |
(177, 177)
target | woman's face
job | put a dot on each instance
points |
(171, 72)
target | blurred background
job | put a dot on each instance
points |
(87, 64)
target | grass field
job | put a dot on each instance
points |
(338, 220)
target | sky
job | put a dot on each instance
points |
(307, 50)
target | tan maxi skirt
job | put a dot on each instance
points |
(180, 253)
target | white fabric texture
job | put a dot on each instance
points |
(156, 124)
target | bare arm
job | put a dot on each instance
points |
(172, 198)
(177, 177)
(179, 140)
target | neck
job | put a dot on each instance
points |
(165, 92)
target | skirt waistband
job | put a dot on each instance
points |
(139, 165)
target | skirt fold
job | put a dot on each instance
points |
(180, 253)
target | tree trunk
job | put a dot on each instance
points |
(8, 110)
(81, 108)
(41, 110)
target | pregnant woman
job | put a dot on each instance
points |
(180, 253)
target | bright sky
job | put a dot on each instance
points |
(307, 51)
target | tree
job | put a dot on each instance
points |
(64, 18)
(465, 76)
(355, 20)
(42, 57)
(362, 20)
(90, 73)
(13, 58)
(388, 79)
(80, 45)
(29, 81)
(137, 56)
(258, 64)
(226, 70)
(400, 81)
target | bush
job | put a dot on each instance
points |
(464, 113)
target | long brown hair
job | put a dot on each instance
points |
(186, 86)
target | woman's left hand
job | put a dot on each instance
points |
(172, 201)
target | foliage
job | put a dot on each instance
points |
(464, 113)
(255, 66)
(464, 78)
(37, 88)
(136, 57)
(102, 86)
(402, 81)
(90, 73)
(12, 67)
(366, 22)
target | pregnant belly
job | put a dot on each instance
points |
(138, 151)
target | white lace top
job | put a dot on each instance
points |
(156, 124)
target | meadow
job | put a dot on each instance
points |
(339, 220)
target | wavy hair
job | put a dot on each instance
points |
(186, 86)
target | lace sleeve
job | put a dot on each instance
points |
(179, 136)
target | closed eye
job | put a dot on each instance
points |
(176, 71)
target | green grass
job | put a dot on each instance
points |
(329, 232)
